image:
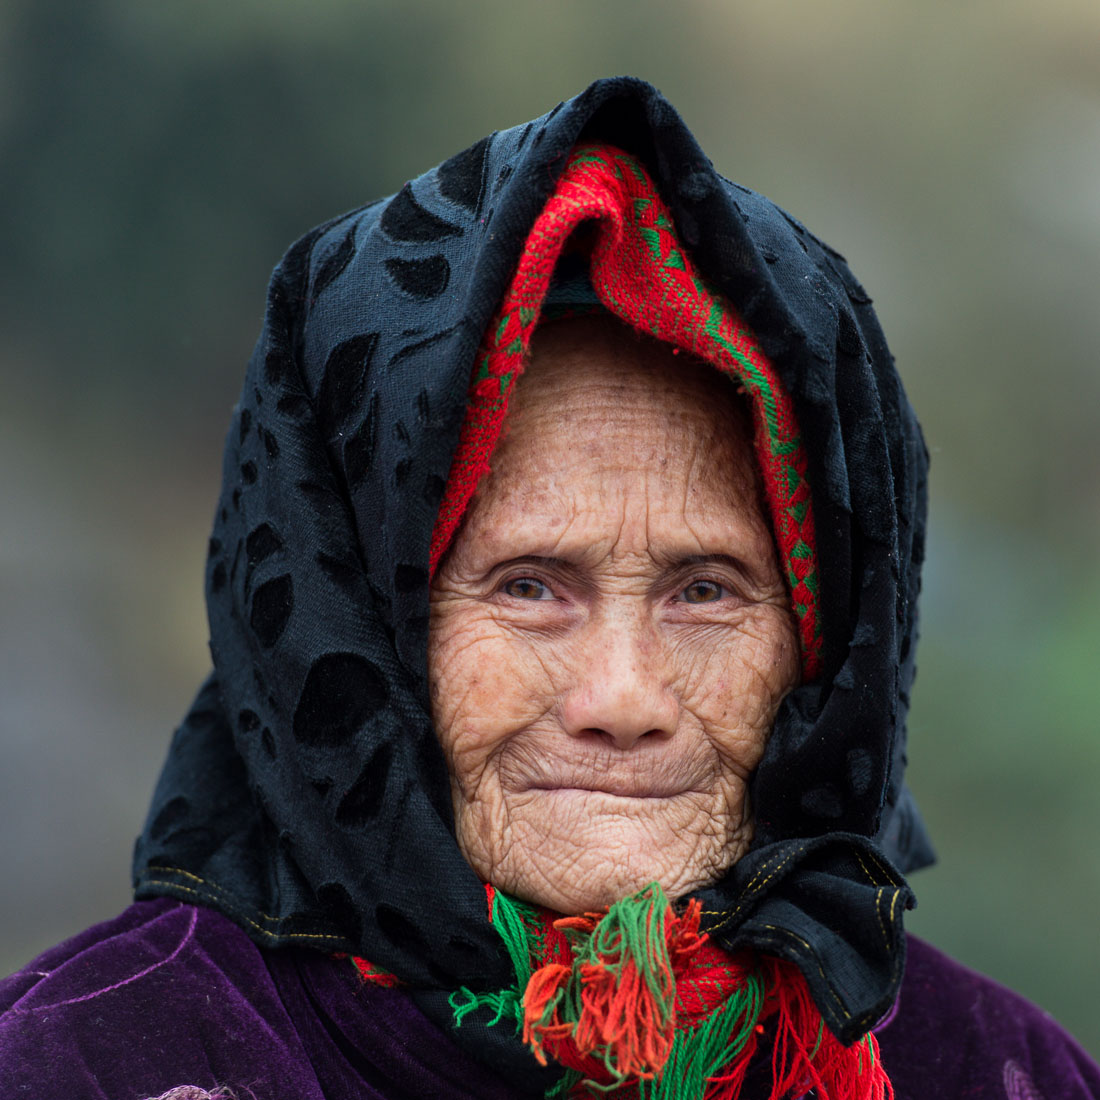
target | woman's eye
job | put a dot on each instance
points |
(702, 592)
(527, 588)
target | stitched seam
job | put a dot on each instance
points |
(216, 894)
(751, 890)
(817, 962)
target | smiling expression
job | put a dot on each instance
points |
(610, 634)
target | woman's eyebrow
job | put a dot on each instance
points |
(755, 574)
(570, 569)
(686, 561)
(665, 560)
(541, 561)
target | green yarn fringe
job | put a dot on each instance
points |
(631, 934)
(516, 923)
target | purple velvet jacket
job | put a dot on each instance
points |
(169, 994)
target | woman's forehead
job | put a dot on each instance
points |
(616, 442)
(638, 404)
(598, 368)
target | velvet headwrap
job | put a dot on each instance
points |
(305, 795)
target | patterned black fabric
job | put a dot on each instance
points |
(305, 795)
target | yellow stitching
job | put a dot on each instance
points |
(175, 870)
(893, 907)
(860, 1020)
(259, 928)
(748, 893)
(879, 891)
(881, 867)
(863, 867)
(782, 863)
(211, 886)
(896, 968)
(878, 913)
(750, 887)
(813, 954)
(884, 870)
(878, 896)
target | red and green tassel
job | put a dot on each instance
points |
(617, 1003)
(636, 1002)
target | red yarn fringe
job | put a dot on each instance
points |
(622, 1031)
(618, 1035)
(806, 1054)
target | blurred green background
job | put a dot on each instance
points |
(156, 158)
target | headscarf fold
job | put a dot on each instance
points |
(305, 795)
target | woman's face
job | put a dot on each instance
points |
(610, 634)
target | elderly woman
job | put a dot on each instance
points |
(562, 599)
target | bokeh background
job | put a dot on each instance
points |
(156, 158)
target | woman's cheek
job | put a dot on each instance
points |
(734, 687)
(485, 686)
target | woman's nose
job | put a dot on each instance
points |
(621, 687)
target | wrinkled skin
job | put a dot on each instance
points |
(610, 633)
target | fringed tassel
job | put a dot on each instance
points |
(506, 1004)
(617, 1004)
(712, 1059)
(806, 1054)
(611, 1017)
(544, 1020)
(506, 916)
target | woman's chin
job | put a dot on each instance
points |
(573, 865)
(595, 888)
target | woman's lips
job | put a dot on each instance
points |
(616, 792)
(635, 773)
(632, 786)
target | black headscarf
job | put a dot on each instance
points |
(305, 795)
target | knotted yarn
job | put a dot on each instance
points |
(635, 1002)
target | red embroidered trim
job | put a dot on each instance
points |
(375, 974)
(685, 1021)
(642, 275)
